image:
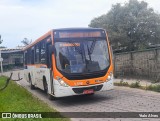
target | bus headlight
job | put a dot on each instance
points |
(61, 82)
(110, 76)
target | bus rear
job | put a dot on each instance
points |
(81, 62)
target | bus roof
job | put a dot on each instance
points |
(49, 33)
(78, 33)
(78, 29)
(38, 40)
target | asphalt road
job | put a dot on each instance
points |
(121, 99)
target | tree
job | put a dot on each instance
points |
(132, 26)
(2, 47)
(1, 39)
(26, 42)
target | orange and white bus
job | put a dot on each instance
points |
(70, 61)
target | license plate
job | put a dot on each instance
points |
(90, 91)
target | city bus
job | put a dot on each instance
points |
(70, 61)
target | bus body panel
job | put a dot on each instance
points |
(61, 91)
(37, 76)
(40, 71)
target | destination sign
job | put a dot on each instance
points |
(79, 34)
(69, 44)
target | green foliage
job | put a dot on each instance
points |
(1, 39)
(155, 88)
(17, 99)
(135, 85)
(132, 26)
(151, 87)
(121, 84)
(26, 41)
(2, 47)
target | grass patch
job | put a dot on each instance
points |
(121, 83)
(151, 87)
(17, 99)
(155, 88)
(135, 85)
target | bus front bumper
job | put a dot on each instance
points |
(63, 91)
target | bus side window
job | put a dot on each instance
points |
(29, 56)
(43, 53)
(37, 50)
(25, 57)
(32, 55)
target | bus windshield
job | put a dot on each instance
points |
(82, 56)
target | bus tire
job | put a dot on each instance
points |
(50, 97)
(31, 85)
(45, 85)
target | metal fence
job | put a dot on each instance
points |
(144, 64)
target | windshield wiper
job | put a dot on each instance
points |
(79, 50)
(90, 51)
(92, 46)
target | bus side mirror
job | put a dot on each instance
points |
(52, 49)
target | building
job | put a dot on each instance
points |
(12, 58)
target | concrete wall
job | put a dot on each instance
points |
(145, 64)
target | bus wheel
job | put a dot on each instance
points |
(50, 97)
(31, 85)
(45, 85)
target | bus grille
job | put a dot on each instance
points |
(80, 90)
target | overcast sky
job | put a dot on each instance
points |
(33, 18)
